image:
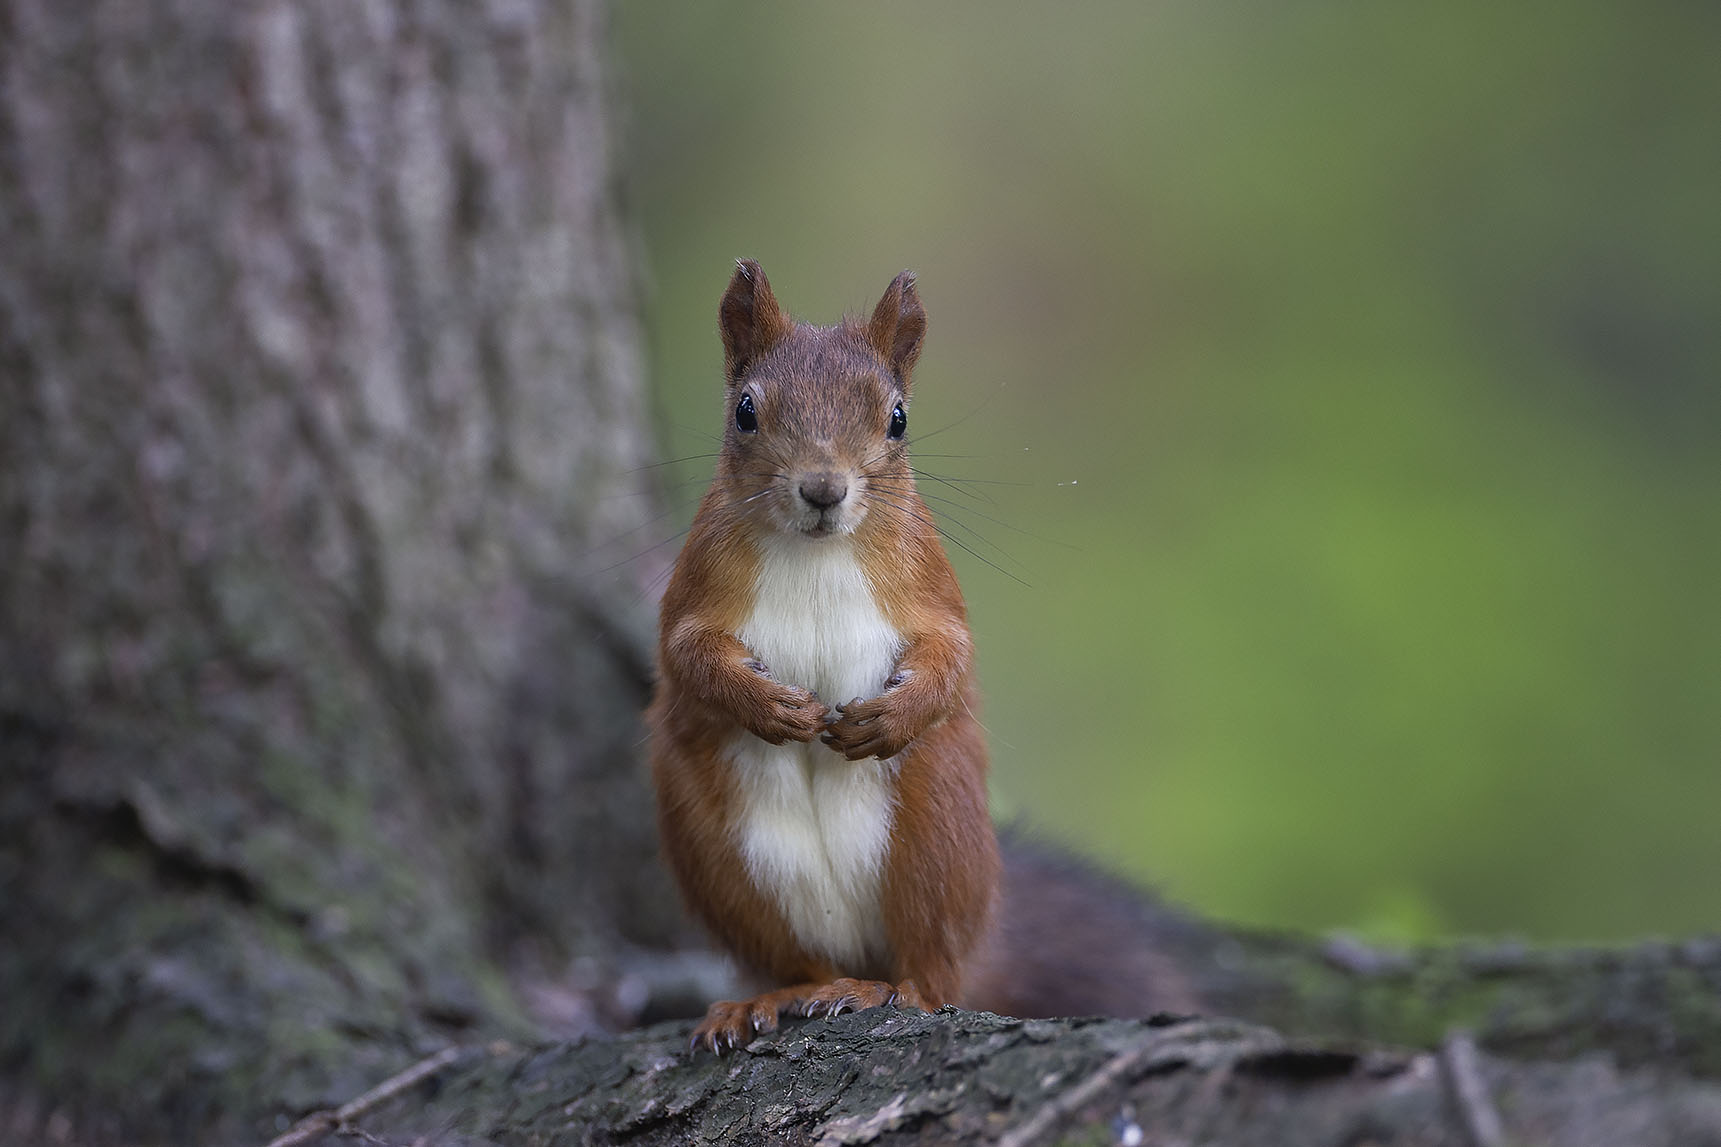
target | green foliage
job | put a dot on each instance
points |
(1368, 361)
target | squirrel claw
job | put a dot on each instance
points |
(847, 995)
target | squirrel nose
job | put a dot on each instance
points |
(822, 491)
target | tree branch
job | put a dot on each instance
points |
(901, 1076)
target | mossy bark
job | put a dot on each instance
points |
(1650, 1004)
(319, 383)
(1654, 1003)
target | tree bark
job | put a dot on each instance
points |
(319, 384)
(1656, 1003)
(964, 1077)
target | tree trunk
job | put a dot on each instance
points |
(319, 383)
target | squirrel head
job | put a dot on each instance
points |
(816, 442)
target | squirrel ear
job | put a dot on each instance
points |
(750, 319)
(898, 326)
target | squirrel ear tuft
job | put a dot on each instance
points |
(750, 319)
(898, 326)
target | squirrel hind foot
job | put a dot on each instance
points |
(849, 995)
(729, 1024)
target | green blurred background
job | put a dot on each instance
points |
(1343, 383)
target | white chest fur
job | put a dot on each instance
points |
(815, 827)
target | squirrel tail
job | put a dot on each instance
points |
(1072, 940)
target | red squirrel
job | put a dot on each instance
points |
(820, 773)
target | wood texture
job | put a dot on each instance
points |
(900, 1077)
(319, 387)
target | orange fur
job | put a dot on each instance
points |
(823, 398)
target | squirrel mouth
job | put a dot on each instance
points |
(828, 522)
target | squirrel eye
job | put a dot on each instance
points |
(898, 422)
(746, 418)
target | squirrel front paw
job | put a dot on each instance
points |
(779, 712)
(872, 728)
